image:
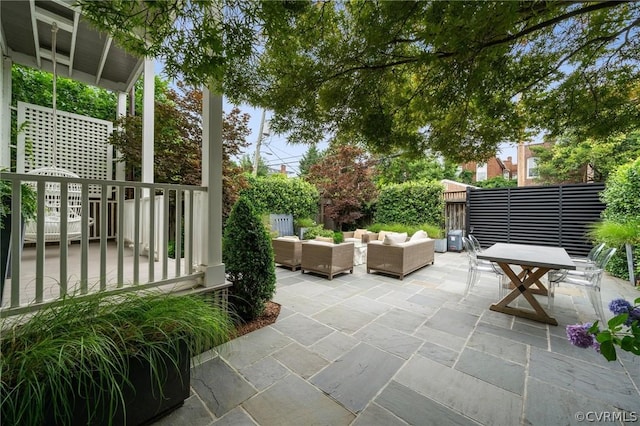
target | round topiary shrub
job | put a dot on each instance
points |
(248, 258)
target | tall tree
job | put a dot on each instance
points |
(458, 77)
(344, 177)
(178, 142)
(575, 160)
(311, 157)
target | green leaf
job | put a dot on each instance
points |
(608, 350)
(604, 336)
(617, 320)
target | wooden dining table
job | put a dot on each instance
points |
(534, 261)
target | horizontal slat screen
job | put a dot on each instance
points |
(542, 215)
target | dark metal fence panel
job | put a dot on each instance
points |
(543, 215)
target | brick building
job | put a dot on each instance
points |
(492, 168)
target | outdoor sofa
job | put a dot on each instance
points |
(401, 256)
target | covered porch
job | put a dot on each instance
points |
(53, 36)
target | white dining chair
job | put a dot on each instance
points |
(590, 279)
(477, 266)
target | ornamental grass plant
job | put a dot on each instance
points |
(84, 342)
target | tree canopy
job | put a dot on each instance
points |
(456, 77)
(575, 160)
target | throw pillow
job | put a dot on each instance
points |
(419, 235)
(381, 235)
(394, 238)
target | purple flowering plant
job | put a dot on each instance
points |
(623, 330)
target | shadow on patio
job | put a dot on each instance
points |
(368, 349)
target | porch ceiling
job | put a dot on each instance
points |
(82, 53)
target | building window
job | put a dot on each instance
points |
(506, 174)
(532, 168)
(481, 172)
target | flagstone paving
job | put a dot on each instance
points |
(367, 349)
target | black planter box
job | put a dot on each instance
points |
(145, 399)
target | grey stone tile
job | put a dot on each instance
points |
(376, 292)
(416, 409)
(421, 299)
(527, 339)
(284, 313)
(235, 417)
(453, 322)
(287, 281)
(294, 402)
(399, 300)
(530, 329)
(497, 318)
(193, 412)
(592, 381)
(247, 349)
(472, 397)
(440, 337)
(374, 415)
(334, 345)
(401, 320)
(344, 319)
(390, 340)
(264, 372)
(356, 378)
(497, 371)
(439, 354)
(300, 360)
(498, 346)
(552, 405)
(303, 329)
(366, 305)
(631, 363)
(303, 305)
(344, 291)
(219, 386)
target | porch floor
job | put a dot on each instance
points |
(52, 270)
(366, 349)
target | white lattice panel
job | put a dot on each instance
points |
(81, 143)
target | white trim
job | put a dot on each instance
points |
(74, 38)
(531, 166)
(103, 58)
(34, 27)
(5, 117)
(147, 120)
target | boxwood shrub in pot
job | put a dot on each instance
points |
(81, 361)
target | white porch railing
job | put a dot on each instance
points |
(120, 268)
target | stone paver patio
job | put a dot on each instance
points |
(366, 349)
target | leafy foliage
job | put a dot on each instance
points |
(622, 198)
(432, 231)
(344, 177)
(497, 182)
(399, 169)
(278, 194)
(248, 258)
(411, 203)
(456, 77)
(246, 164)
(90, 338)
(573, 160)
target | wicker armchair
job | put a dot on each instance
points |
(327, 258)
(287, 252)
(399, 259)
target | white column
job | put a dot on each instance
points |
(121, 112)
(147, 120)
(212, 178)
(5, 116)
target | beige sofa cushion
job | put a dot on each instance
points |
(394, 238)
(419, 235)
(324, 239)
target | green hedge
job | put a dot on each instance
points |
(277, 194)
(622, 197)
(411, 203)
